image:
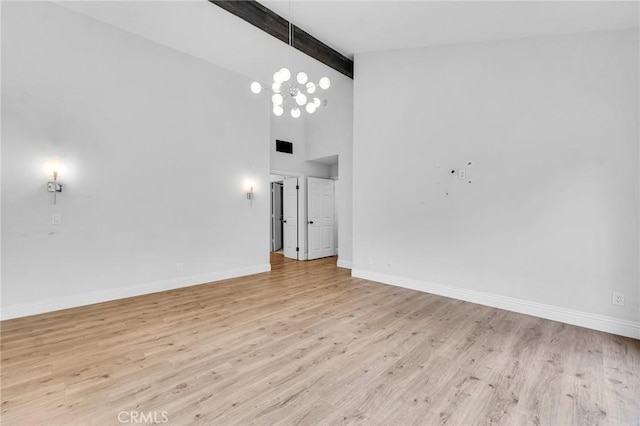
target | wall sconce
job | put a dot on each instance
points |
(53, 185)
(248, 189)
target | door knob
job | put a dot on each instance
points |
(310, 222)
(284, 221)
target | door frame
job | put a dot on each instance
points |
(302, 210)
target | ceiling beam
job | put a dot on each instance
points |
(278, 27)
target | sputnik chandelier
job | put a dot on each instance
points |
(287, 93)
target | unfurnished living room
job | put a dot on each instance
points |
(320, 212)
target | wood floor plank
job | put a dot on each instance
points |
(307, 344)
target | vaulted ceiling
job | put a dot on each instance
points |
(204, 30)
(359, 26)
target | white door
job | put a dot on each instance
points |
(276, 216)
(290, 218)
(320, 199)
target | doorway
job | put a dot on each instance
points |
(276, 216)
(286, 236)
(303, 216)
(290, 209)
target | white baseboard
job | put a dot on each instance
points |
(50, 305)
(344, 263)
(569, 316)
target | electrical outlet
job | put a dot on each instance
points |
(56, 218)
(180, 267)
(462, 174)
(617, 298)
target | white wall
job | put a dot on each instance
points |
(326, 133)
(293, 130)
(549, 224)
(253, 53)
(330, 132)
(157, 145)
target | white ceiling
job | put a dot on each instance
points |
(357, 26)
(206, 31)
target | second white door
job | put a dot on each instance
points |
(320, 199)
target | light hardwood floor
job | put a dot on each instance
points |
(308, 344)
